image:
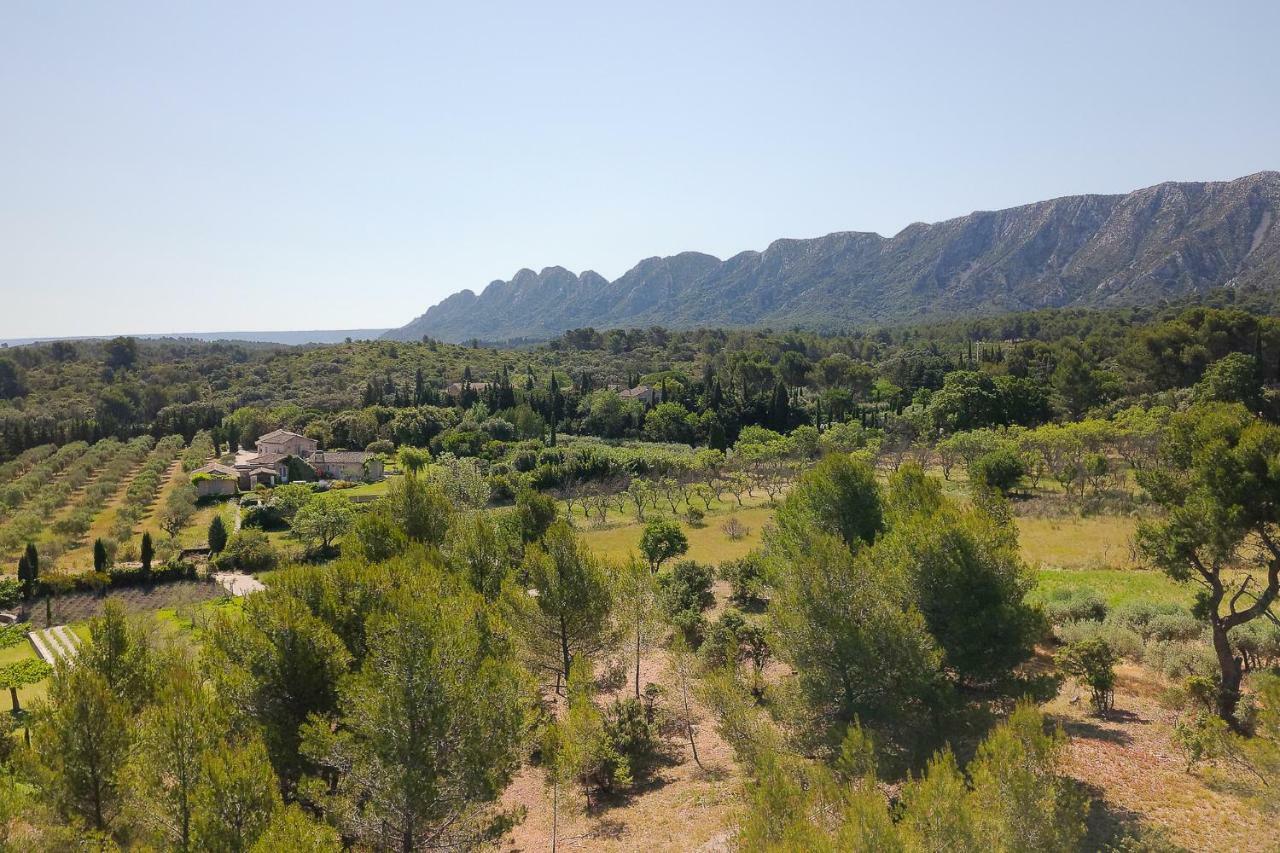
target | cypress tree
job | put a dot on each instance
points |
(217, 535)
(147, 552)
(99, 556)
(555, 394)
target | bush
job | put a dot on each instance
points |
(694, 515)
(248, 551)
(1093, 662)
(10, 591)
(632, 734)
(1000, 469)
(163, 573)
(263, 517)
(1179, 660)
(735, 529)
(1122, 640)
(1136, 616)
(1174, 627)
(1067, 605)
(685, 592)
(746, 578)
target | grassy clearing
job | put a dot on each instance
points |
(367, 490)
(1116, 586)
(708, 543)
(196, 533)
(1072, 542)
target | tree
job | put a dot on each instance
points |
(288, 498)
(29, 568)
(100, 558)
(293, 829)
(23, 673)
(147, 551)
(1234, 378)
(122, 353)
(683, 666)
(668, 422)
(277, 664)
(1093, 662)
(217, 535)
(239, 795)
(420, 509)
(482, 551)
(414, 460)
(535, 512)
(936, 814)
(119, 650)
(84, 733)
(178, 509)
(838, 496)
(963, 574)
(323, 519)
(167, 764)
(434, 718)
(1018, 801)
(1220, 490)
(637, 610)
(1001, 470)
(857, 651)
(662, 540)
(563, 610)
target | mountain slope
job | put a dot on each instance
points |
(1170, 240)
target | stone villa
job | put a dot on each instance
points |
(269, 466)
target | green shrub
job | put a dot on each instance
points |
(1174, 626)
(248, 551)
(1093, 662)
(746, 578)
(1068, 605)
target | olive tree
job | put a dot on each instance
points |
(1220, 490)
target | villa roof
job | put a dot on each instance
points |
(340, 456)
(215, 469)
(638, 391)
(281, 435)
(262, 460)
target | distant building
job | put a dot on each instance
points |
(455, 389)
(644, 393)
(215, 480)
(352, 465)
(271, 464)
(284, 443)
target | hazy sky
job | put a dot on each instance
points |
(220, 166)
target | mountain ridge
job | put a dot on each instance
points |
(1170, 240)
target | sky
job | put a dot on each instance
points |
(323, 165)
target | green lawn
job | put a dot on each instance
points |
(708, 543)
(1116, 586)
(364, 490)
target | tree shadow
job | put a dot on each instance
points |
(1089, 730)
(1109, 826)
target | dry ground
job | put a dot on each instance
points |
(1130, 765)
(682, 807)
